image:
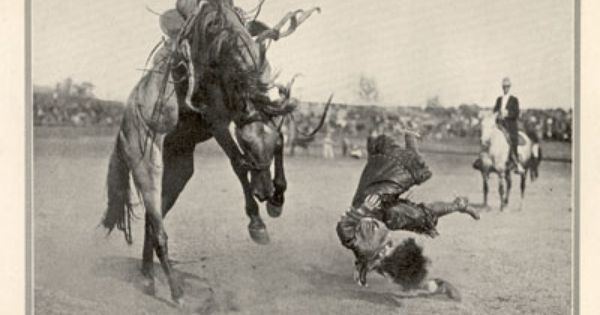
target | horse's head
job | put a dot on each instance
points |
(488, 124)
(258, 139)
(228, 71)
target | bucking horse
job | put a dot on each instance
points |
(211, 81)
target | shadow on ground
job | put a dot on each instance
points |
(342, 286)
(200, 298)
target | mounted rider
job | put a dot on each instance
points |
(507, 115)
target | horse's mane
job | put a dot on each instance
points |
(227, 54)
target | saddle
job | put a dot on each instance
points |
(171, 21)
(390, 171)
(522, 140)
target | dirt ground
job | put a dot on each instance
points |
(512, 262)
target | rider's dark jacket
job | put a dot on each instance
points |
(510, 121)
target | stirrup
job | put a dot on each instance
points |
(518, 168)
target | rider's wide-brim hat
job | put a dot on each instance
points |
(171, 22)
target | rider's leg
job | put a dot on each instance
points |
(514, 155)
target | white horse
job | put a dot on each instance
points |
(494, 158)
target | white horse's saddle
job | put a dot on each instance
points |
(522, 139)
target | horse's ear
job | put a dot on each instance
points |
(249, 115)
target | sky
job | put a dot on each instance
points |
(458, 50)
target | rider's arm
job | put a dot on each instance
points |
(497, 106)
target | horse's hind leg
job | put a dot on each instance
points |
(523, 184)
(485, 177)
(148, 257)
(147, 174)
(508, 187)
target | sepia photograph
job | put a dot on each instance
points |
(303, 157)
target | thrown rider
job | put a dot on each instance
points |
(378, 207)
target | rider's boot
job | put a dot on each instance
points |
(519, 169)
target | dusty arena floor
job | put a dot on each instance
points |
(514, 262)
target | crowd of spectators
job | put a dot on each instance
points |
(74, 105)
(432, 122)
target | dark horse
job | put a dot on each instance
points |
(220, 77)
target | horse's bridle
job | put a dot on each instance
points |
(248, 162)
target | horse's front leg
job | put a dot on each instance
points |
(275, 204)
(256, 228)
(501, 179)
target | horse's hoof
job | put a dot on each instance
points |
(274, 211)
(148, 281)
(179, 302)
(148, 287)
(259, 235)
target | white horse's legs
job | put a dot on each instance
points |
(508, 187)
(501, 179)
(485, 177)
(523, 183)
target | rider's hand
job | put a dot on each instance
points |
(372, 202)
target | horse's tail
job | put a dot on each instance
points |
(119, 208)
